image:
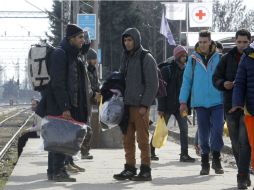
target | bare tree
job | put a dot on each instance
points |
(231, 15)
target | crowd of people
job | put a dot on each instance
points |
(218, 87)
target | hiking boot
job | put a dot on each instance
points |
(216, 163)
(242, 181)
(127, 173)
(205, 166)
(62, 176)
(78, 168)
(144, 174)
(154, 157)
(71, 169)
(87, 157)
(186, 158)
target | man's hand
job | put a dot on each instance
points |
(233, 109)
(161, 114)
(228, 85)
(142, 110)
(97, 96)
(183, 108)
(67, 115)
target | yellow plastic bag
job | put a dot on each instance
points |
(161, 133)
(225, 131)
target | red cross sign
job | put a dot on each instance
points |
(200, 14)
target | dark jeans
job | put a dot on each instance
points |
(55, 162)
(183, 127)
(239, 140)
(210, 128)
(85, 147)
(23, 139)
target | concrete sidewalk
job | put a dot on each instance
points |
(168, 173)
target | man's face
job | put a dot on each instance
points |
(78, 40)
(34, 105)
(204, 44)
(183, 58)
(129, 43)
(219, 50)
(242, 42)
(92, 62)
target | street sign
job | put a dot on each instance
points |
(99, 56)
(88, 22)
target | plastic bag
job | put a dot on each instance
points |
(62, 136)
(112, 111)
(225, 130)
(161, 133)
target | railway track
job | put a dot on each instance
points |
(11, 127)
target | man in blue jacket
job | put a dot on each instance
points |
(206, 99)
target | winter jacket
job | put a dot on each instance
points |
(138, 92)
(92, 75)
(226, 71)
(68, 87)
(203, 93)
(173, 76)
(243, 93)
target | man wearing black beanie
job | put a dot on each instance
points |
(68, 93)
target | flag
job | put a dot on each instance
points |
(200, 14)
(175, 11)
(165, 30)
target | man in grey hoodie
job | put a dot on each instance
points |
(141, 81)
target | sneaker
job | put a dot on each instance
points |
(144, 174)
(71, 169)
(127, 173)
(186, 158)
(154, 158)
(62, 176)
(78, 168)
(87, 157)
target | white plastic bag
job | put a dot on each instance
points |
(112, 111)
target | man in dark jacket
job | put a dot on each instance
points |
(169, 105)
(67, 94)
(140, 91)
(223, 80)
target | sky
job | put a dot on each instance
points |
(13, 50)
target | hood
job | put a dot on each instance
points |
(65, 44)
(135, 34)
(212, 48)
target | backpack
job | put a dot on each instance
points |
(162, 91)
(38, 65)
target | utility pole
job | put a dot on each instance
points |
(75, 11)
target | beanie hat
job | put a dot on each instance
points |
(73, 30)
(179, 50)
(91, 54)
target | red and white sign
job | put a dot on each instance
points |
(201, 14)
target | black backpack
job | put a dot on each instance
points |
(162, 91)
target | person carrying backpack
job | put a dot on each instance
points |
(141, 87)
(67, 93)
(172, 73)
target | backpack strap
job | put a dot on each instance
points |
(142, 57)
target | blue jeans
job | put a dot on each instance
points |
(55, 162)
(239, 140)
(210, 128)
